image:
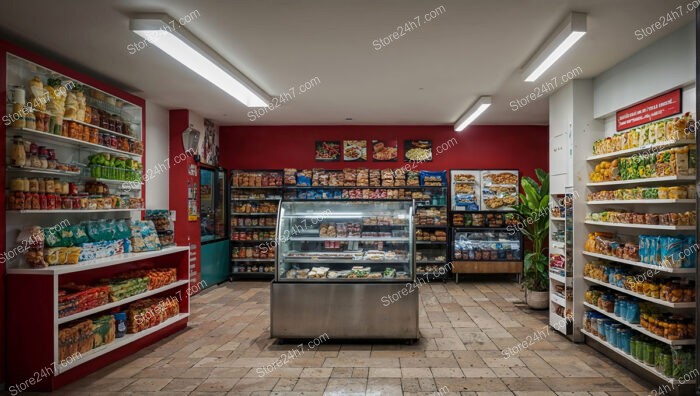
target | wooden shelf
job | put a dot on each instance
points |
(487, 267)
(639, 328)
(127, 300)
(117, 343)
(682, 305)
(641, 226)
(689, 271)
(638, 363)
(100, 263)
(647, 147)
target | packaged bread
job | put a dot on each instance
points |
(362, 177)
(290, 176)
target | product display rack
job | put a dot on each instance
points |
(33, 338)
(561, 241)
(246, 236)
(484, 237)
(631, 232)
(486, 250)
(431, 256)
(36, 335)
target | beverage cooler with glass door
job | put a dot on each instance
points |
(212, 217)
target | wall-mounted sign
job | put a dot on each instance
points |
(653, 109)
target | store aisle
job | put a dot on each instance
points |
(464, 329)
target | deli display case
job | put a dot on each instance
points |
(345, 268)
(487, 250)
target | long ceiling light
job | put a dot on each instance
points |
(475, 111)
(561, 40)
(187, 49)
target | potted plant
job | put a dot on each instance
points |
(533, 213)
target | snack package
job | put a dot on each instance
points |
(32, 239)
(80, 235)
(98, 250)
(689, 252)
(144, 236)
(58, 237)
(428, 178)
(165, 227)
(103, 330)
(670, 249)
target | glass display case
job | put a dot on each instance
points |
(486, 251)
(345, 242)
(345, 269)
(487, 246)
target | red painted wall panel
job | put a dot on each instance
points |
(3, 288)
(186, 232)
(479, 147)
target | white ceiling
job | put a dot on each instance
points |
(429, 76)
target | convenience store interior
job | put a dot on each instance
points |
(210, 198)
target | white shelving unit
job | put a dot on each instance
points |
(646, 181)
(647, 148)
(639, 328)
(649, 369)
(561, 279)
(631, 231)
(640, 226)
(640, 264)
(34, 295)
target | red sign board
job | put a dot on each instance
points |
(654, 109)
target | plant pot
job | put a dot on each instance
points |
(537, 299)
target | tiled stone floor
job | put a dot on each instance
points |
(464, 328)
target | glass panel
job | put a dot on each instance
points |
(210, 205)
(345, 241)
(487, 246)
(220, 201)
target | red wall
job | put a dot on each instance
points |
(478, 147)
(186, 232)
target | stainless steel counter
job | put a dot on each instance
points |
(344, 311)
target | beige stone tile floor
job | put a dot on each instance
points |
(463, 328)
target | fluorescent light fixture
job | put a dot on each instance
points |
(187, 49)
(560, 41)
(477, 108)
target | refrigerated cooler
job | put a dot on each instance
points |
(345, 269)
(212, 217)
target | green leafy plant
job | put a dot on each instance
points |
(533, 213)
